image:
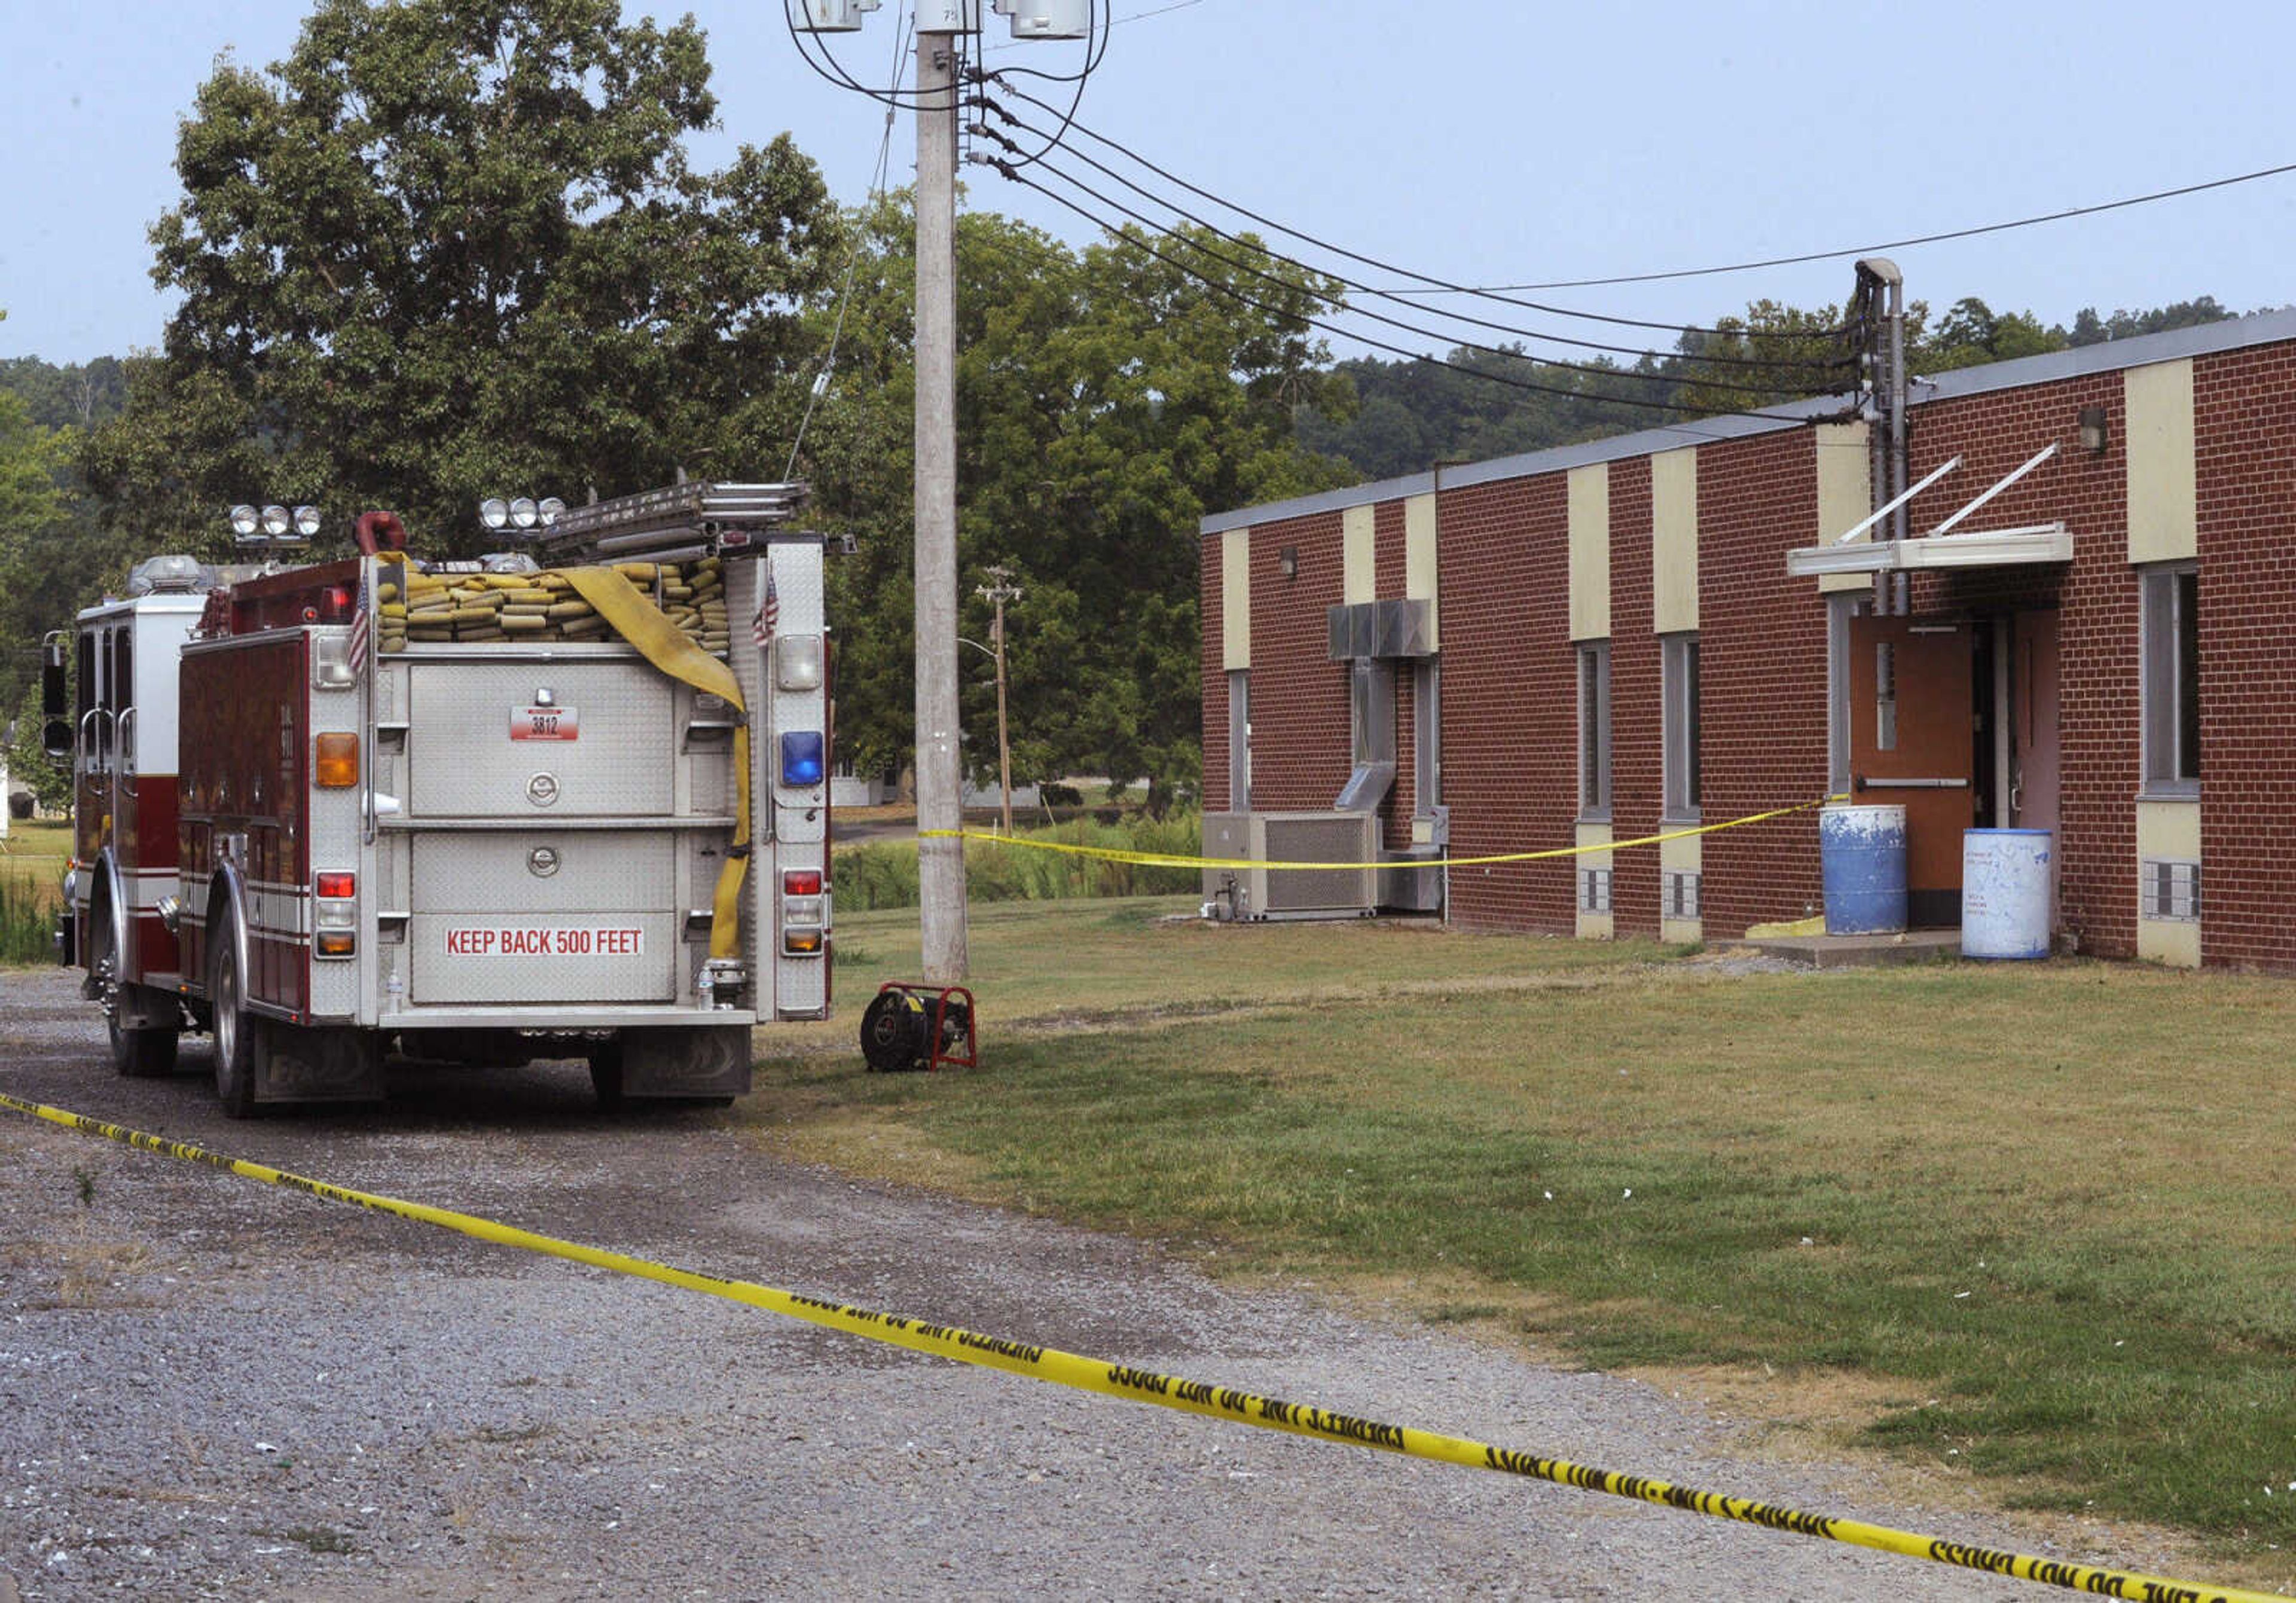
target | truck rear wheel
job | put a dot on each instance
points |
(141, 1051)
(235, 1028)
(606, 1075)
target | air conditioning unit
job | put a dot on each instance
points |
(1262, 892)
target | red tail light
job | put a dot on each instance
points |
(801, 882)
(338, 885)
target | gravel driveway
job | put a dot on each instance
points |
(210, 1388)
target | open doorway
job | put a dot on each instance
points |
(1956, 720)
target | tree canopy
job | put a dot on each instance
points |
(1108, 399)
(455, 248)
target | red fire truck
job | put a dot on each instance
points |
(571, 801)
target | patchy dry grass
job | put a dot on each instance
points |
(2022, 1223)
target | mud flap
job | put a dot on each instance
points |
(295, 1064)
(709, 1062)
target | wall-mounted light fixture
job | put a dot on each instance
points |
(1287, 561)
(2092, 430)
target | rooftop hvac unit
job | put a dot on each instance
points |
(1262, 892)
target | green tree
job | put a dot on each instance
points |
(451, 248)
(2089, 329)
(1971, 333)
(1107, 401)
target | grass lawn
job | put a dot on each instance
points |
(2036, 1218)
(31, 880)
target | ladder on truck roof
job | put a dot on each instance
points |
(690, 520)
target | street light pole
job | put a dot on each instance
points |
(999, 593)
(940, 850)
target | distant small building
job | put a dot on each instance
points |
(1600, 643)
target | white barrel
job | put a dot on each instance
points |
(2004, 892)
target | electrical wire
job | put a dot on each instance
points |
(1718, 359)
(1436, 284)
(1067, 118)
(828, 68)
(1044, 252)
(1923, 239)
(820, 385)
(1339, 304)
(1637, 402)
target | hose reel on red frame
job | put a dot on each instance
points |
(914, 1025)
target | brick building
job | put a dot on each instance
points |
(1608, 640)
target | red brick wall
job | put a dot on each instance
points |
(2245, 416)
(1211, 608)
(1762, 646)
(1510, 699)
(1298, 694)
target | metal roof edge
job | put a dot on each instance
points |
(2108, 356)
(2234, 333)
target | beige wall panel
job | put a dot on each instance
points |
(2169, 829)
(1674, 540)
(1592, 925)
(1590, 491)
(1419, 563)
(1235, 599)
(1845, 491)
(1357, 584)
(2163, 496)
(1684, 856)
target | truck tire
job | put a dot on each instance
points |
(138, 1052)
(141, 1051)
(235, 1029)
(606, 1075)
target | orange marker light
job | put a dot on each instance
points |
(338, 761)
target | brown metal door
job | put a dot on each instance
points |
(1910, 744)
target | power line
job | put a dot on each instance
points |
(1925, 239)
(1638, 403)
(820, 385)
(1339, 304)
(1436, 284)
(1502, 328)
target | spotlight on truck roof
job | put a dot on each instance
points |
(524, 513)
(307, 521)
(550, 507)
(244, 521)
(494, 512)
(276, 521)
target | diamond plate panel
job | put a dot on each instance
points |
(584, 871)
(461, 761)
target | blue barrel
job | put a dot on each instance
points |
(2004, 892)
(1861, 854)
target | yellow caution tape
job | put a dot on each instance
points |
(1175, 860)
(1195, 1396)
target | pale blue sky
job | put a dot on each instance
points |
(1481, 142)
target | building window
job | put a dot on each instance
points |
(2171, 697)
(1594, 730)
(1239, 740)
(1678, 668)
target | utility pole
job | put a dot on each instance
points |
(941, 849)
(999, 593)
(940, 856)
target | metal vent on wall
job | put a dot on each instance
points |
(1679, 892)
(1593, 890)
(1380, 629)
(2169, 890)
